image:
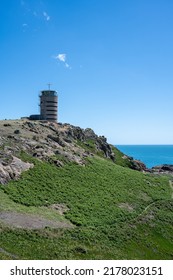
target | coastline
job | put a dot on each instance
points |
(150, 155)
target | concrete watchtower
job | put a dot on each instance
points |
(49, 105)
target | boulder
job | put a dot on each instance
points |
(13, 169)
(163, 168)
(139, 165)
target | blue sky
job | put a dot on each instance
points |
(111, 62)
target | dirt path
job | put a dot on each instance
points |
(28, 221)
(7, 253)
(146, 208)
(151, 204)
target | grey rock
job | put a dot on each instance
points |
(47, 141)
(164, 168)
(13, 169)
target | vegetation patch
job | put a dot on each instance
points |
(104, 202)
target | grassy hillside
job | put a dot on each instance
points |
(117, 213)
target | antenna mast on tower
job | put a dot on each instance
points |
(49, 86)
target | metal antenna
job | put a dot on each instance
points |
(49, 86)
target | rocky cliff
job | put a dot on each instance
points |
(56, 143)
(53, 142)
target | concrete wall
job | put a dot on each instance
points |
(49, 105)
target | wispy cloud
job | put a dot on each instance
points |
(24, 27)
(37, 11)
(67, 65)
(35, 14)
(62, 57)
(46, 16)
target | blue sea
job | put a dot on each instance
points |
(151, 155)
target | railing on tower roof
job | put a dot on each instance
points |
(48, 93)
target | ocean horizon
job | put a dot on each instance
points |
(150, 155)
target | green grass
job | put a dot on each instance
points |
(7, 204)
(107, 204)
(121, 159)
(4, 256)
(90, 146)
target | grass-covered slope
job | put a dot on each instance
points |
(117, 213)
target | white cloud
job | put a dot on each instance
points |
(62, 57)
(46, 16)
(24, 27)
(39, 13)
(67, 65)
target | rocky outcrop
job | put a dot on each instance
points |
(163, 169)
(140, 166)
(12, 169)
(56, 143)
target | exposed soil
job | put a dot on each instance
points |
(126, 206)
(61, 208)
(27, 221)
